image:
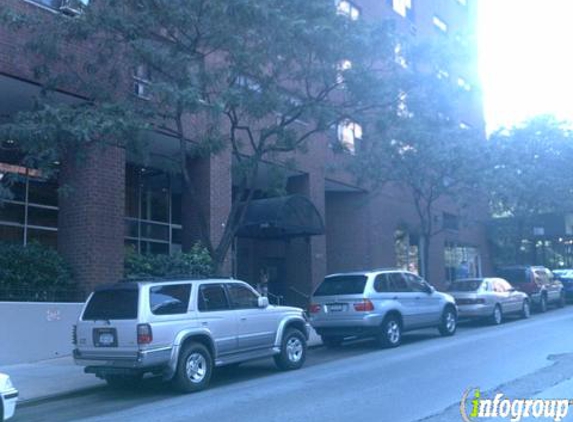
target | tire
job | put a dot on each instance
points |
(562, 300)
(525, 309)
(121, 382)
(543, 304)
(497, 316)
(332, 342)
(194, 368)
(293, 351)
(449, 323)
(390, 334)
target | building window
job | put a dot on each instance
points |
(440, 24)
(347, 8)
(402, 105)
(342, 67)
(399, 57)
(348, 135)
(403, 8)
(69, 7)
(141, 81)
(461, 261)
(407, 251)
(152, 211)
(450, 222)
(31, 211)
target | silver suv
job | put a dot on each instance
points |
(181, 330)
(381, 304)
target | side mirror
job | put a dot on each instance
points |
(430, 289)
(263, 302)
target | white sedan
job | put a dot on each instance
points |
(8, 398)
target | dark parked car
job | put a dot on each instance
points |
(566, 277)
(538, 282)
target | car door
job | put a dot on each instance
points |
(400, 292)
(554, 286)
(215, 314)
(257, 327)
(427, 303)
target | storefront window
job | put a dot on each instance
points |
(461, 261)
(407, 251)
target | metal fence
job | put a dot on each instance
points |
(39, 294)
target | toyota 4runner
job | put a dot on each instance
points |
(182, 329)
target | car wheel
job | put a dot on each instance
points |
(449, 322)
(525, 309)
(194, 368)
(332, 341)
(390, 334)
(293, 350)
(562, 300)
(497, 315)
(543, 304)
(123, 381)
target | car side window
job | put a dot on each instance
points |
(498, 286)
(541, 276)
(212, 297)
(170, 299)
(242, 297)
(415, 284)
(398, 282)
(381, 284)
(506, 286)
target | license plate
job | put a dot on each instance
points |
(337, 307)
(105, 337)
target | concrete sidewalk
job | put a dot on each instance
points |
(49, 379)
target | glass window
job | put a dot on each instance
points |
(342, 285)
(212, 297)
(176, 208)
(415, 284)
(348, 133)
(381, 284)
(46, 217)
(12, 234)
(402, 7)
(12, 213)
(155, 231)
(398, 282)
(440, 24)
(242, 297)
(43, 192)
(44, 237)
(113, 303)
(347, 8)
(169, 299)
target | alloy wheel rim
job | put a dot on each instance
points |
(450, 322)
(294, 349)
(196, 367)
(393, 332)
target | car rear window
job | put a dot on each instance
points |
(342, 285)
(170, 299)
(465, 286)
(514, 275)
(112, 303)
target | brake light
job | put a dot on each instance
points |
(144, 334)
(314, 308)
(364, 306)
(75, 335)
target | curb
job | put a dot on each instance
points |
(59, 396)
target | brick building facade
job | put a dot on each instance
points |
(114, 202)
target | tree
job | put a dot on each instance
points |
(263, 78)
(529, 175)
(424, 149)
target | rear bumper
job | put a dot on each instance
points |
(474, 311)
(364, 325)
(10, 400)
(142, 360)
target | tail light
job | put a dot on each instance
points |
(314, 308)
(144, 334)
(364, 306)
(75, 335)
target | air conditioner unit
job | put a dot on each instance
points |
(73, 7)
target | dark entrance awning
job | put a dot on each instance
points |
(281, 217)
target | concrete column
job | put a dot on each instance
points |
(91, 215)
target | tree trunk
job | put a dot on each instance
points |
(425, 243)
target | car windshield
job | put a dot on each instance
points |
(113, 303)
(465, 285)
(514, 275)
(342, 285)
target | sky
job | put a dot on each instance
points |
(525, 59)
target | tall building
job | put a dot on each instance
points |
(114, 202)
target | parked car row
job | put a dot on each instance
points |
(181, 330)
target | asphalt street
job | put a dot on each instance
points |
(424, 379)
